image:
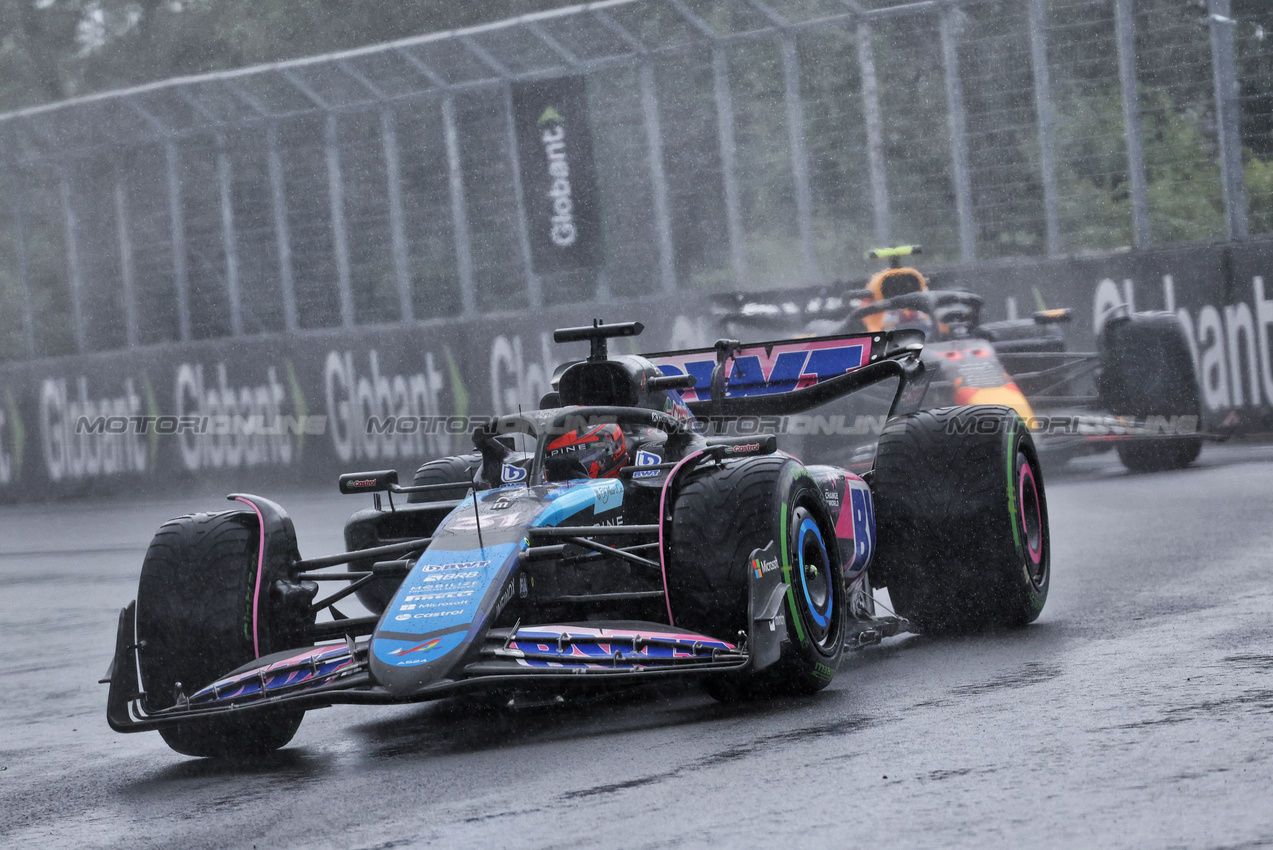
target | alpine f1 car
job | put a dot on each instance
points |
(1138, 392)
(604, 538)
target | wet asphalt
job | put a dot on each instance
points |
(1138, 712)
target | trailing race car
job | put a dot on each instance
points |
(604, 539)
(1138, 392)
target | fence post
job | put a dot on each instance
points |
(799, 160)
(534, 292)
(1225, 75)
(1125, 32)
(229, 241)
(1047, 126)
(658, 177)
(459, 208)
(17, 196)
(282, 230)
(75, 277)
(127, 271)
(729, 167)
(874, 136)
(177, 229)
(397, 228)
(958, 137)
(340, 233)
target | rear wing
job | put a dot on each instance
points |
(791, 375)
(768, 368)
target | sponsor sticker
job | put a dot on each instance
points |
(764, 561)
(608, 495)
(762, 568)
(459, 565)
(644, 458)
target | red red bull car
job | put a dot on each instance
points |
(609, 538)
(1137, 393)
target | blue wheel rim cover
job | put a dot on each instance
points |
(822, 619)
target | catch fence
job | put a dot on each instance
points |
(737, 144)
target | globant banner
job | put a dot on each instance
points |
(281, 411)
(270, 412)
(558, 174)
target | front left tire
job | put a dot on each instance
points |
(202, 611)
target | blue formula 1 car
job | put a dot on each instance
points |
(612, 536)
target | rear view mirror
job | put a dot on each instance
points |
(368, 482)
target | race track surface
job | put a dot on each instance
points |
(1138, 712)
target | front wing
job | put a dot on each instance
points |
(521, 657)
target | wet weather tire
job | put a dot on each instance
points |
(201, 613)
(1148, 371)
(442, 471)
(962, 519)
(720, 517)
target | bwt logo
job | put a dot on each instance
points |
(563, 233)
(781, 369)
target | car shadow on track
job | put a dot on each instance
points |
(459, 726)
(464, 725)
(295, 764)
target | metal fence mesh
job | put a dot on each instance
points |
(738, 145)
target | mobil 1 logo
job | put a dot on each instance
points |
(559, 177)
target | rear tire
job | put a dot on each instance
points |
(196, 623)
(1148, 370)
(720, 517)
(962, 519)
(441, 471)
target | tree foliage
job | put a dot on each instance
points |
(61, 48)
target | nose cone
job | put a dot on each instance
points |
(438, 612)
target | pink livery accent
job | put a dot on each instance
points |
(844, 520)
(299, 668)
(529, 634)
(671, 476)
(1036, 555)
(855, 524)
(260, 568)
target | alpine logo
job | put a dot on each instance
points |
(644, 458)
(422, 647)
(512, 474)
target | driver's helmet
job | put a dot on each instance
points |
(597, 451)
(891, 283)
